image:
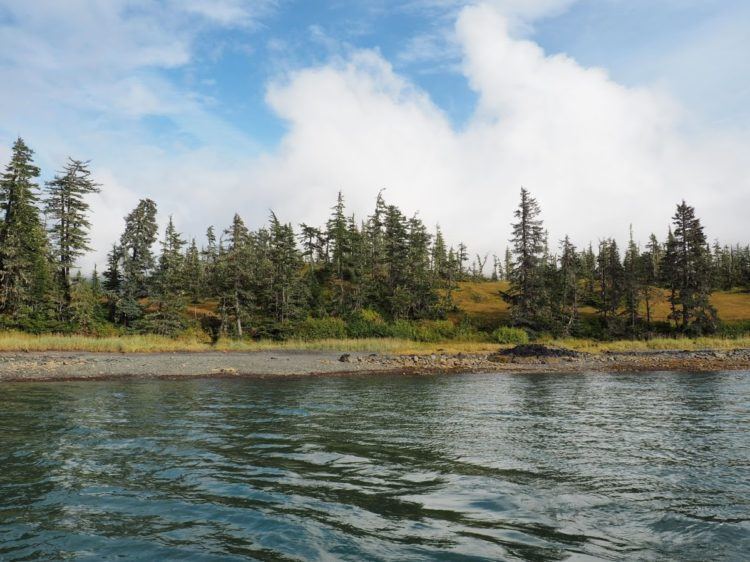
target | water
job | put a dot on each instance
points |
(475, 467)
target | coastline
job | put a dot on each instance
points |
(76, 366)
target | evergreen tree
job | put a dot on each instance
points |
(194, 273)
(84, 306)
(287, 264)
(67, 209)
(610, 275)
(136, 245)
(691, 273)
(650, 275)
(233, 276)
(24, 265)
(527, 295)
(632, 283)
(568, 290)
(137, 260)
(166, 313)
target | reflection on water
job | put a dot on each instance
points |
(531, 467)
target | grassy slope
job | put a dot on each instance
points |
(481, 301)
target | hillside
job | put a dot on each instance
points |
(481, 301)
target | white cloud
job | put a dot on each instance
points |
(232, 13)
(598, 155)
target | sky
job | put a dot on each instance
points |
(608, 111)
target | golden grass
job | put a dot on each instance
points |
(19, 341)
(16, 341)
(482, 301)
(677, 344)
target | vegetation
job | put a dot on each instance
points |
(385, 277)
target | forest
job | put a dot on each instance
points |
(386, 275)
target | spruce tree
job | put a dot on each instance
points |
(67, 210)
(234, 277)
(691, 273)
(137, 260)
(194, 273)
(632, 283)
(610, 276)
(650, 275)
(339, 251)
(527, 295)
(166, 314)
(24, 265)
(568, 289)
(287, 265)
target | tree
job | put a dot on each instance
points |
(568, 291)
(527, 295)
(690, 273)
(339, 250)
(194, 273)
(137, 260)
(632, 282)
(67, 210)
(287, 264)
(24, 266)
(650, 275)
(610, 279)
(166, 313)
(233, 276)
(136, 243)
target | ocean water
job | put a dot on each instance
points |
(453, 467)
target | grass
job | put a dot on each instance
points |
(19, 341)
(690, 344)
(481, 301)
(16, 341)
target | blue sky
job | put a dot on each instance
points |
(212, 106)
(691, 47)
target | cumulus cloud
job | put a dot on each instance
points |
(598, 155)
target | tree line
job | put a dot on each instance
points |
(548, 289)
(384, 269)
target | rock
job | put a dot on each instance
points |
(537, 350)
(346, 358)
(499, 358)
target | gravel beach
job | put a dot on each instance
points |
(64, 366)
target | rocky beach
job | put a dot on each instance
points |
(66, 366)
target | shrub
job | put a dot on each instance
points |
(367, 324)
(735, 329)
(506, 334)
(320, 329)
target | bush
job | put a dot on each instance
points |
(506, 334)
(320, 329)
(735, 329)
(367, 324)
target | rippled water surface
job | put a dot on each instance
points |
(475, 467)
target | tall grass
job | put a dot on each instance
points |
(19, 342)
(690, 344)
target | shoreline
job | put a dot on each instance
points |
(61, 366)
